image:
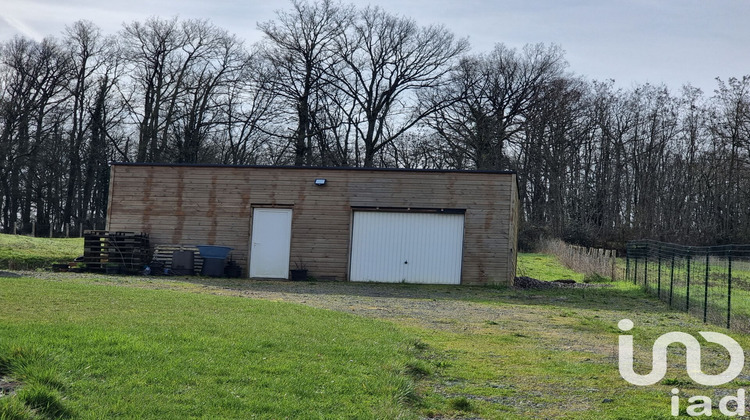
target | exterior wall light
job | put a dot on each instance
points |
(320, 182)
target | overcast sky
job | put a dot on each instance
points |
(631, 41)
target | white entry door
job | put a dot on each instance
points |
(270, 243)
(407, 247)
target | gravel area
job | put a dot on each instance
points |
(441, 307)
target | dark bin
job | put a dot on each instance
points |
(214, 259)
(213, 267)
(232, 270)
(183, 263)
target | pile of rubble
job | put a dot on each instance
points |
(531, 283)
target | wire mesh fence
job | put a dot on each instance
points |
(712, 283)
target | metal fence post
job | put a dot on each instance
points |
(671, 282)
(687, 290)
(705, 292)
(729, 290)
(679, 254)
(658, 276)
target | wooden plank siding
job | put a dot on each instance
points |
(195, 205)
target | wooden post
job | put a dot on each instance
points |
(50, 230)
(67, 230)
(15, 228)
(613, 258)
(33, 229)
(80, 230)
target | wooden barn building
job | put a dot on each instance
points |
(343, 224)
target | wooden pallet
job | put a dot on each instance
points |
(164, 253)
(127, 250)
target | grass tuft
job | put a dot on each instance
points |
(39, 395)
(596, 278)
(675, 382)
(17, 359)
(418, 345)
(44, 400)
(404, 390)
(460, 404)
(14, 409)
(417, 368)
(43, 375)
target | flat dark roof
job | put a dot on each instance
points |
(325, 168)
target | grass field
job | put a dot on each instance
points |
(93, 346)
(19, 252)
(117, 352)
(544, 267)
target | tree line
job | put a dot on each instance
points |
(334, 85)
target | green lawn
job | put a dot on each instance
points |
(19, 252)
(544, 267)
(95, 347)
(103, 352)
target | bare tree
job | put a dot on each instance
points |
(555, 129)
(33, 87)
(301, 44)
(730, 131)
(386, 59)
(220, 67)
(247, 116)
(85, 49)
(494, 92)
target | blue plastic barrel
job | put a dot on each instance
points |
(213, 251)
(214, 259)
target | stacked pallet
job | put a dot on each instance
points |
(164, 254)
(127, 251)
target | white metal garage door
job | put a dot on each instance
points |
(407, 247)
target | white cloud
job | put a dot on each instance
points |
(15, 25)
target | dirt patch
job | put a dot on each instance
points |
(8, 387)
(532, 283)
(8, 274)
